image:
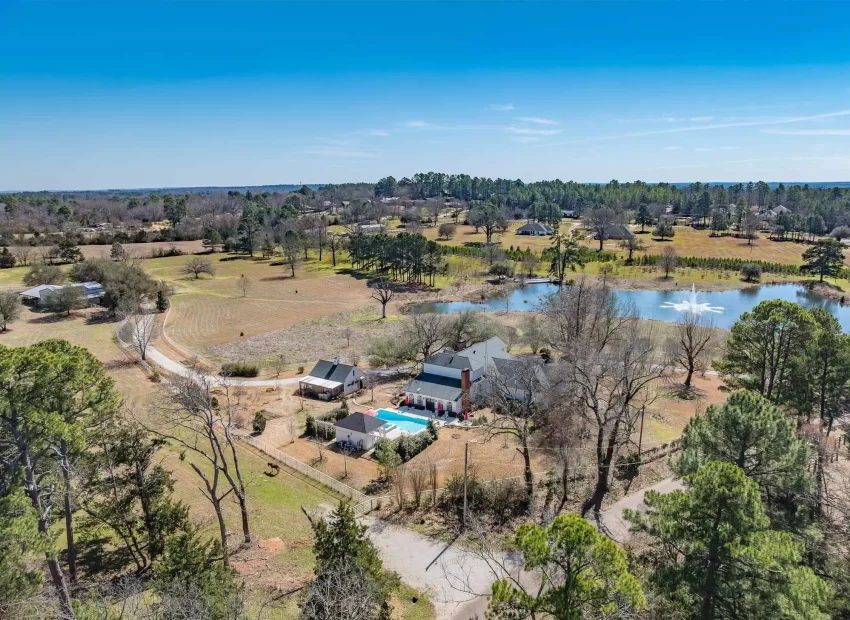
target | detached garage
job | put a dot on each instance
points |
(360, 430)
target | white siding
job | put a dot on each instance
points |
(355, 437)
(442, 371)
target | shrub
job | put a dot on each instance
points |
(240, 369)
(259, 423)
(166, 252)
(501, 269)
(310, 426)
(751, 272)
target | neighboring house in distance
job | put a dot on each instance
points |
(329, 380)
(617, 232)
(568, 213)
(360, 430)
(536, 229)
(451, 377)
(37, 296)
(370, 228)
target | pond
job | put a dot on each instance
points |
(648, 303)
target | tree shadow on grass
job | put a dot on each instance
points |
(50, 319)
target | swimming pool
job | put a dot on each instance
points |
(407, 423)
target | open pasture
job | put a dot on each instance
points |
(212, 311)
(687, 242)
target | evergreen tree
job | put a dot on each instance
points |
(584, 574)
(751, 433)
(767, 347)
(644, 217)
(346, 559)
(713, 552)
(824, 258)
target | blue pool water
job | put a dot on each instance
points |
(406, 423)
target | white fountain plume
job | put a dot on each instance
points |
(692, 305)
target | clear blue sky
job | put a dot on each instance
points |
(150, 94)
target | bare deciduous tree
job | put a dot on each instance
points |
(382, 292)
(513, 395)
(201, 415)
(667, 261)
(428, 331)
(278, 363)
(141, 328)
(244, 284)
(691, 345)
(343, 591)
(336, 243)
(23, 255)
(197, 266)
(418, 480)
(399, 480)
(602, 378)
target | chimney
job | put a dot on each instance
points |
(465, 384)
(336, 361)
(461, 345)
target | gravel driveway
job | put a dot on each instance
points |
(454, 578)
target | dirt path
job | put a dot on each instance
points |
(612, 521)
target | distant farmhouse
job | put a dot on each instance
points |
(38, 295)
(536, 229)
(330, 379)
(617, 232)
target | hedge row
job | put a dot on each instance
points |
(729, 264)
(240, 369)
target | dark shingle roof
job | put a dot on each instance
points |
(330, 371)
(435, 386)
(513, 373)
(449, 359)
(361, 423)
(618, 231)
(535, 227)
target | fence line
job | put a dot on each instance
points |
(319, 476)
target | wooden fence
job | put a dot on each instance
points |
(659, 452)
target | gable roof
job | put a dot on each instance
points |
(36, 291)
(618, 231)
(512, 372)
(331, 371)
(449, 359)
(483, 352)
(435, 386)
(361, 423)
(536, 227)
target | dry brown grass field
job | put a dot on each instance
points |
(213, 311)
(687, 242)
(143, 250)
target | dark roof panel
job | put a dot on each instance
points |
(361, 423)
(331, 371)
(449, 359)
(435, 386)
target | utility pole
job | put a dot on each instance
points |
(640, 435)
(465, 478)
